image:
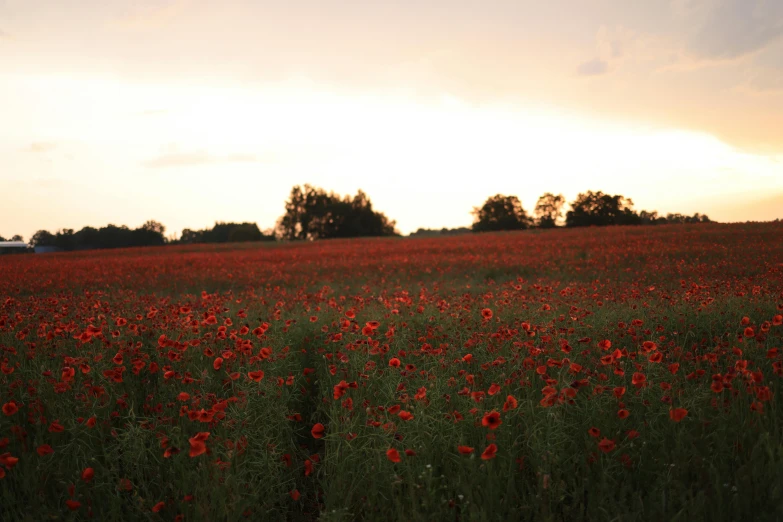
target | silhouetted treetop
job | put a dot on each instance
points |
(549, 209)
(500, 212)
(312, 213)
(225, 233)
(599, 209)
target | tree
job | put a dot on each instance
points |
(312, 213)
(225, 233)
(549, 209)
(500, 212)
(599, 209)
(43, 238)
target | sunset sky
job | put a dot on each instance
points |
(188, 112)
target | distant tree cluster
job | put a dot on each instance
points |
(428, 232)
(312, 213)
(16, 237)
(590, 208)
(110, 236)
(225, 233)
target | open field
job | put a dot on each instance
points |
(621, 373)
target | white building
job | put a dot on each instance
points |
(13, 246)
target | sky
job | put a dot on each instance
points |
(190, 112)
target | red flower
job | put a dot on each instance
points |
(9, 408)
(491, 420)
(295, 494)
(493, 389)
(677, 414)
(405, 415)
(623, 413)
(88, 474)
(606, 445)
(73, 505)
(510, 404)
(198, 444)
(393, 455)
(157, 507)
(465, 450)
(318, 431)
(489, 452)
(256, 375)
(217, 363)
(638, 379)
(44, 450)
(486, 313)
(594, 432)
(394, 362)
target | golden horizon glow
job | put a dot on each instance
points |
(145, 123)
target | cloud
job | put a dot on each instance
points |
(190, 159)
(729, 29)
(41, 146)
(594, 67)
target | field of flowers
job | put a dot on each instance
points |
(598, 374)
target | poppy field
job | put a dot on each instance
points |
(616, 373)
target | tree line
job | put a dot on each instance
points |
(312, 213)
(590, 208)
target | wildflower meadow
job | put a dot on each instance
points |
(616, 373)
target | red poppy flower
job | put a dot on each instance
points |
(198, 444)
(88, 474)
(394, 362)
(157, 507)
(486, 313)
(405, 415)
(606, 445)
(677, 414)
(73, 505)
(295, 494)
(318, 431)
(623, 413)
(393, 455)
(491, 420)
(465, 450)
(594, 432)
(638, 379)
(619, 391)
(9, 408)
(44, 449)
(510, 404)
(256, 375)
(493, 389)
(489, 452)
(410, 453)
